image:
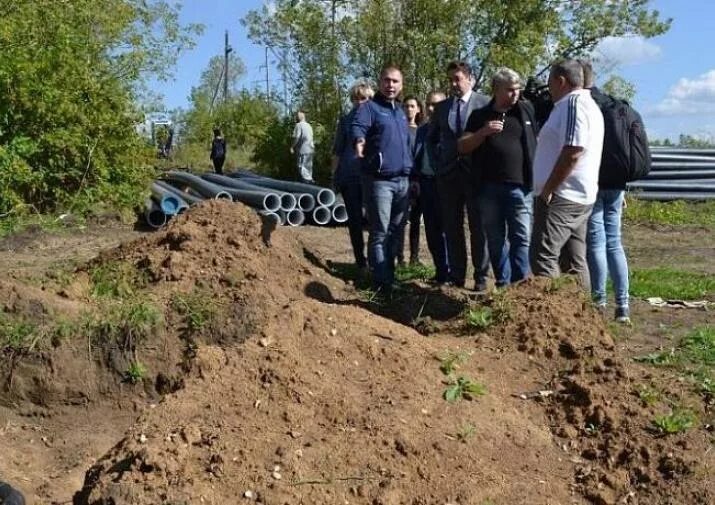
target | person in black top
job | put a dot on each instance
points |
(218, 151)
(501, 138)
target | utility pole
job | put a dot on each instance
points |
(268, 90)
(226, 51)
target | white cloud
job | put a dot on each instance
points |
(617, 51)
(689, 96)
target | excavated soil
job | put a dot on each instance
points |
(303, 392)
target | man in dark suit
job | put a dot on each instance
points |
(455, 183)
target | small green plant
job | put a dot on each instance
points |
(677, 213)
(463, 387)
(450, 362)
(17, 334)
(465, 432)
(136, 372)
(479, 318)
(648, 395)
(678, 420)
(198, 308)
(126, 323)
(657, 358)
(116, 279)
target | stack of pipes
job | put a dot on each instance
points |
(283, 202)
(677, 174)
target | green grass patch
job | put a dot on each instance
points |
(676, 213)
(451, 361)
(417, 271)
(136, 372)
(116, 279)
(670, 283)
(498, 310)
(127, 322)
(19, 222)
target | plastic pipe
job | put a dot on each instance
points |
(295, 217)
(287, 200)
(667, 196)
(270, 216)
(321, 215)
(184, 195)
(168, 201)
(680, 174)
(340, 213)
(305, 202)
(153, 215)
(204, 188)
(323, 196)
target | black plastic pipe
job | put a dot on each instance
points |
(184, 195)
(323, 196)
(340, 213)
(153, 215)
(204, 188)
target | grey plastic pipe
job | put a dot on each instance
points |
(255, 196)
(321, 215)
(169, 203)
(306, 202)
(184, 195)
(323, 196)
(295, 217)
(340, 213)
(680, 174)
(204, 188)
(270, 216)
(153, 214)
(667, 196)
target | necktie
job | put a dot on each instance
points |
(458, 126)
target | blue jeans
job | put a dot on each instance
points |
(434, 231)
(352, 196)
(605, 254)
(386, 201)
(506, 211)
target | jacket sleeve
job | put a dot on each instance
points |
(433, 133)
(361, 122)
(340, 137)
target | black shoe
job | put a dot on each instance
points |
(480, 287)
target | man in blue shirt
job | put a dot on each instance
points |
(381, 143)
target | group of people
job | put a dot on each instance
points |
(529, 185)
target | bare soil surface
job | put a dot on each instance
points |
(302, 390)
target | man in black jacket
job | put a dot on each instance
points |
(501, 138)
(454, 180)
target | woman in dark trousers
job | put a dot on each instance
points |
(346, 174)
(218, 151)
(415, 113)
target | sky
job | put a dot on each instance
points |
(674, 74)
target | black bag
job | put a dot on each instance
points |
(626, 155)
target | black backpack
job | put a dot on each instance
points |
(626, 155)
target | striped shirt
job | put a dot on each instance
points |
(576, 121)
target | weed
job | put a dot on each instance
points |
(451, 361)
(465, 432)
(198, 308)
(479, 318)
(648, 395)
(126, 323)
(671, 283)
(116, 279)
(657, 358)
(678, 421)
(17, 334)
(463, 387)
(136, 372)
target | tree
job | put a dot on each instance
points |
(70, 76)
(210, 86)
(325, 44)
(618, 87)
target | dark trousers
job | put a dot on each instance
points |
(434, 231)
(456, 191)
(413, 216)
(352, 196)
(218, 164)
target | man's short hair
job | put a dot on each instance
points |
(460, 66)
(436, 93)
(587, 68)
(361, 91)
(505, 76)
(387, 68)
(569, 69)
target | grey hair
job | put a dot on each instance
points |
(569, 69)
(505, 75)
(361, 90)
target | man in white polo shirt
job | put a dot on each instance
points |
(566, 167)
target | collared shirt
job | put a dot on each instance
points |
(303, 138)
(460, 102)
(575, 121)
